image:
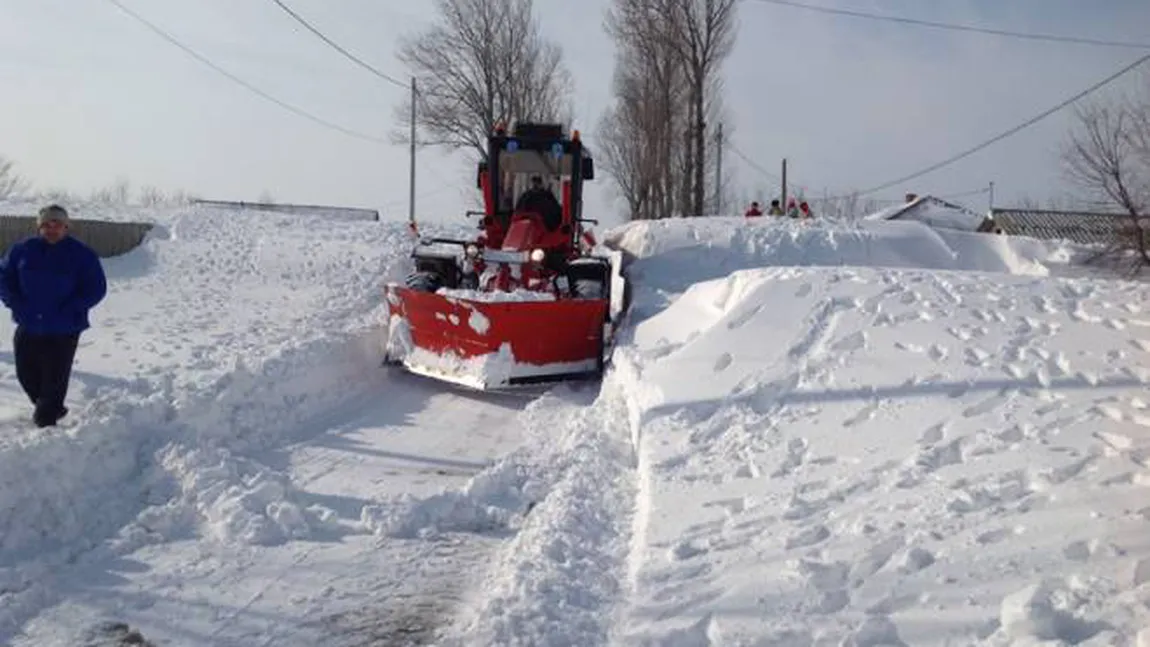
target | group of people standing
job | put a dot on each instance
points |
(799, 210)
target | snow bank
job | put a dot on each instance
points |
(890, 456)
(713, 247)
(155, 465)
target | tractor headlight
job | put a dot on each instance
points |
(471, 251)
(537, 256)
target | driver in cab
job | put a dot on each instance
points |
(538, 199)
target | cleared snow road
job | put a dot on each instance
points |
(348, 586)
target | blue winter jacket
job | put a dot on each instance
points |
(50, 288)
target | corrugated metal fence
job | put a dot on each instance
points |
(107, 238)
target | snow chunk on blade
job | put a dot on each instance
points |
(514, 296)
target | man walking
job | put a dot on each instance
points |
(50, 282)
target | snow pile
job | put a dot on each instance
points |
(494, 501)
(229, 499)
(709, 248)
(861, 450)
(481, 371)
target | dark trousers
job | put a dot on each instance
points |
(43, 367)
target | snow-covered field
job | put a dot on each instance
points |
(812, 434)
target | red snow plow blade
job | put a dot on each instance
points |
(487, 344)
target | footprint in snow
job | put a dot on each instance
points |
(731, 506)
(829, 579)
(961, 334)
(937, 457)
(796, 455)
(685, 550)
(875, 631)
(808, 537)
(864, 414)
(1082, 551)
(933, 434)
(910, 348)
(798, 509)
(996, 535)
(852, 342)
(976, 356)
(986, 406)
(722, 362)
(916, 559)
(938, 352)
(876, 557)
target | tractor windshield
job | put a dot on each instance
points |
(517, 168)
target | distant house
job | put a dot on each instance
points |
(1084, 227)
(936, 212)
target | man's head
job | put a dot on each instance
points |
(536, 182)
(52, 223)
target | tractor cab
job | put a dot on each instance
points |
(532, 183)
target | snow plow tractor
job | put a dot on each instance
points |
(527, 301)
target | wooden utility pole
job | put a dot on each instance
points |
(783, 204)
(719, 170)
(411, 178)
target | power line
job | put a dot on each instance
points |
(1011, 131)
(336, 46)
(960, 27)
(965, 194)
(283, 104)
(738, 153)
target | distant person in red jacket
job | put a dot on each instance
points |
(754, 211)
(805, 210)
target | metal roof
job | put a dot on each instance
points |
(1084, 227)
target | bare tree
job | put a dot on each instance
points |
(11, 184)
(667, 96)
(644, 151)
(1108, 155)
(703, 34)
(484, 62)
(845, 208)
(151, 196)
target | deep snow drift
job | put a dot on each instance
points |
(812, 434)
(887, 456)
(832, 455)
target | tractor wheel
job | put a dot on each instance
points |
(587, 289)
(424, 281)
(588, 280)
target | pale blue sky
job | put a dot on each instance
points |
(88, 95)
